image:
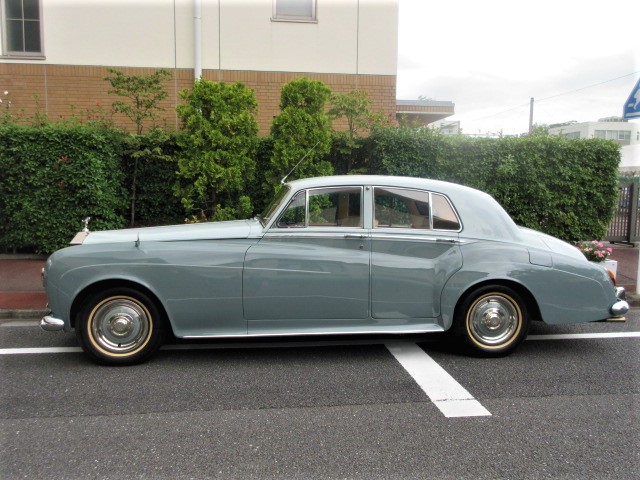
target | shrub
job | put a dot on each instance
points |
(301, 130)
(218, 147)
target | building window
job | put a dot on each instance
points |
(22, 28)
(294, 11)
(572, 135)
(623, 137)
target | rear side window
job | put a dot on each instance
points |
(405, 208)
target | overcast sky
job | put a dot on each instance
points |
(493, 55)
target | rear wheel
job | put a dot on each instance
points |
(492, 320)
(120, 326)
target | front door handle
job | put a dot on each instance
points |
(355, 235)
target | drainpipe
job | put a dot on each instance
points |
(197, 39)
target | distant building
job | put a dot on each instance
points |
(626, 134)
(423, 112)
(448, 127)
(610, 128)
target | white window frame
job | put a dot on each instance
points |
(6, 53)
(302, 19)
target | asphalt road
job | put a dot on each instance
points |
(563, 407)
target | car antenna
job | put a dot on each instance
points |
(299, 162)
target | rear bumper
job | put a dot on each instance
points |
(620, 307)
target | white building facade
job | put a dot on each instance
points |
(59, 50)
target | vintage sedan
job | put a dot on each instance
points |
(331, 255)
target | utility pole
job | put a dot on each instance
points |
(531, 116)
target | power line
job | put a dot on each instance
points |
(588, 86)
(554, 96)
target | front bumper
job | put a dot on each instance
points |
(621, 306)
(51, 324)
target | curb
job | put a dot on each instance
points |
(22, 313)
(22, 256)
(633, 299)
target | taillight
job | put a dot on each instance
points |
(612, 275)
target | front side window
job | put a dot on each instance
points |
(404, 208)
(294, 10)
(21, 20)
(324, 207)
(295, 214)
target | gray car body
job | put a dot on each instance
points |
(244, 278)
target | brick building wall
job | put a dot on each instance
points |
(62, 91)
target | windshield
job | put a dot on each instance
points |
(273, 206)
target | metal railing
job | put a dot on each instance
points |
(625, 226)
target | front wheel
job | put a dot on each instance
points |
(492, 320)
(120, 326)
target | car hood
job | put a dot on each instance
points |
(542, 241)
(197, 231)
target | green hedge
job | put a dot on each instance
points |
(52, 177)
(566, 188)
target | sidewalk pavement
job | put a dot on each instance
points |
(22, 294)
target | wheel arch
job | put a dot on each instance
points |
(532, 305)
(89, 290)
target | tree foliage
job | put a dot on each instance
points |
(219, 142)
(143, 93)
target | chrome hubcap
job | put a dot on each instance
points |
(494, 320)
(120, 325)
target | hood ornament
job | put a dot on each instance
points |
(85, 222)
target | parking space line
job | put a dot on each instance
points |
(445, 392)
(584, 336)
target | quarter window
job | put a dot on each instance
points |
(444, 218)
(22, 35)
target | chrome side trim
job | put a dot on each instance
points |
(620, 293)
(51, 324)
(434, 329)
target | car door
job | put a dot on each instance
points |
(310, 271)
(414, 251)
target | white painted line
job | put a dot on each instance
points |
(304, 344)
(445, 392)
(18, 351)
(584, 336)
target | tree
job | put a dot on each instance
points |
(218, 149)
(142, 148)
(144, 93)
(302, 128)
(355, 107)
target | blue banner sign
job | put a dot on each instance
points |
(631, 107)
